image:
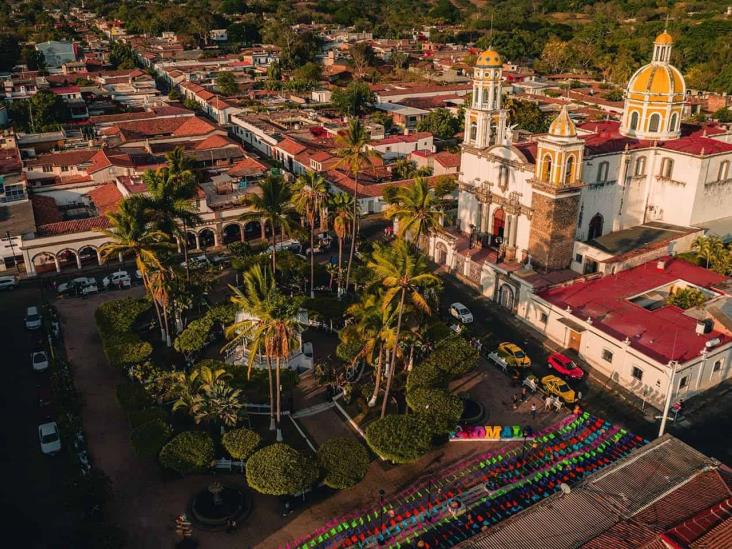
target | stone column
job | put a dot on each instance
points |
(55, 262)
(198, 242)
(119, 256)
(509, 239)
(78, 260)
(99, 257)
(514, 230)
(484, 211)
(241, 232)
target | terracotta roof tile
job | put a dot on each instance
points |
(291, 147)
(246, 167)
(193, 126)
(66, 158)
(45, 209)
(105, 198)
(74, 226)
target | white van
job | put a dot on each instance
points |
(33, 318)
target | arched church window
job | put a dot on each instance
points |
(546, 168)
(595, 229)
(723, 171)
(640, 166)
(569, 171)
(634, 120)
(473, 131)
(674, 122)
(503, 176)
(667, 167)
(602, 171)
(654, 123)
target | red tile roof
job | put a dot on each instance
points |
(697, 526)
(75, 226)
(45, 209)
(67, 158)
(215, 142)
(290, 146)
(447, 159)
(105, 198)
(719, 538)
(194, 126)
(10, 161)
(411, 138)
(247, 167)
(663, 334)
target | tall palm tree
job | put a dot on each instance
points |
(130, 234)
(341, 208)
(310, 193)
(268, 326)
(402, 273)
(416, 209)
(709, 248)
(274, 206)
(207, 395)
(355, 156)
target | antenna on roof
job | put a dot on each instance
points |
(490, 32)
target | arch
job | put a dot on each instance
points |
(232, 233)
(44, 262)
(546, 168)
(440, 253)
(667, 167)
(503, 176)
(506, 296)
(672, 125)
(88, 255)
(640, 166)
(602, 170)
(569, 170)
(191, 240)
(595, 228)
(473, 131)
(723, 173)
(252, 230)
(206, 238)
(67, 259)
(499, 223)
(654, 122)
(634, 117)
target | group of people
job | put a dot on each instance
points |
(476, 343)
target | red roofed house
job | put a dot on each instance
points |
(395, 146)
(441, 163)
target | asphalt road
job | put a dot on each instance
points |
(32, 501)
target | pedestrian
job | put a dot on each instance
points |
(533, 411)
(576, 410)
(579, 395)
(524, 393)
(548, 403)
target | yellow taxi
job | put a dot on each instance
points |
(555, 385)
(514, 355)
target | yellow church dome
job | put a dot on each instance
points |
(562, 125)
(657, 83)
(664, 38)
(489, 59)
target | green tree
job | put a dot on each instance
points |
(527, 116)
(708, 248)
(207, 395)
(240, 443)
(189, 452)
(45, 111)
(417, 210)
(402, 273)
(226, 83)
(280, 470)
(309, 73)
(309, 197)
(341, 207)
(440, 123)
(723, 115)
(344, 460)
(362, 57)
(354, 99)
(400, 438)
(687, 298)
(9, 51)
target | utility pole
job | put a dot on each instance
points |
(12, 251)
(669, 396)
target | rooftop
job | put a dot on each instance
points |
(664, 333)
(641, 237)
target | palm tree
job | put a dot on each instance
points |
(402, 273)
(269, 327)
(274, 206)
(354, 155)
(709, 248)
(341, 206)
(130, 234)
(310, 193)
(416, 209)
(208, 396)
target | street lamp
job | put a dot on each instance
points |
(12, 251)
(381, 540)
(669, 396)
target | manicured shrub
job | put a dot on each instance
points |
(195, 336)
(440, 405)
(149, 438)
(344, 460)
(121, 314)
(189, 452)
(126, 349)
(240, 443)
(425, 374)
(140, 417)
(454, 356)
(400, 438)
(132, 397)
(114, 322)
(280, 470)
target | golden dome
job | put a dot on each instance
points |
(664, 38)
(657, 82)
(489, 59)
(562, 125)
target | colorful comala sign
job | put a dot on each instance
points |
(488, 432)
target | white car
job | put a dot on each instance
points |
(289, 245)
(39, 360)
(49, 438)
(33, 319)
(8, 282)
(118, 279)
(82, 286)
(197, 262)
(461, 312)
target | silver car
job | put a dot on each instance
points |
(49, 438)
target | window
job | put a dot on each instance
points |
(47, 169)
(546, 168)
(634, 120)
(637, 373)
(602, 171)
(596, 226)
(717, 366)
(64, 168)
(640, 166)
(607, 356)
(543, 317)
(674, 122)
(473, 131)
(569, 171)
(667, 167)
(654, 123)
(578, 258)
(503, 176)
(684, 382)
(723, 173)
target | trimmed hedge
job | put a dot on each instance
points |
(400, 438)
(132, 397)
(114, 322)
(444, 407)
(280, 470)
(148, 439)
(425, 374)
(344, 460)
(189, 452)
(195, 336)
(240, 443)
(454, 356)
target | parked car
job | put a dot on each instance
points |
(555, 385)
(565, 366)
(514, 355)
(39, 359)
(33, 319)
(288, 245)
(221, 261)
(461, 312)
(49, 438)
(79, 286)
(8, 282)
(197, 262)
(118, 279)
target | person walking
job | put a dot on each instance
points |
(548, 403)
(533, 410)
(524, 393)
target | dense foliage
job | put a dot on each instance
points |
(280, 470)
(114, 321)
(197, 334)
(149, 438)
(400, 438)
(240, 443)
(344, 461)
(188, 452)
